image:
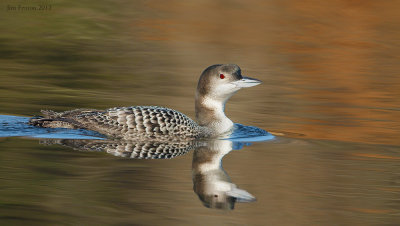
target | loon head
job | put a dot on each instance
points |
(216, 85)
(219, 82)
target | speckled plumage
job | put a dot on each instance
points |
(138, 123)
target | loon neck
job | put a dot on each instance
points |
(210, 113)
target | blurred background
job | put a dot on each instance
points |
(330, 72)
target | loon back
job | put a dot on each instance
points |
(138, 122)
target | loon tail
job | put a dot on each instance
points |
(52, 119)
(53, 123)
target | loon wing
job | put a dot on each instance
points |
(138, 122)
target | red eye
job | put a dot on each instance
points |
(222, 76)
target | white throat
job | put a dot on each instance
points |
(212, 115)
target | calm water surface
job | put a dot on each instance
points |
(331, 95)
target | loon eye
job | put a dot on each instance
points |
(222, 76)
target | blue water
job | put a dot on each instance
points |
(16, 126)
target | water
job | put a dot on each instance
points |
(330, 96)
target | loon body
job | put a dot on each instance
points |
(216, 85)
(130, 123)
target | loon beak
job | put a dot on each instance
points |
(241, 195)
(246, 82)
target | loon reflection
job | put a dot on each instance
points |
(210, 182)
(129, 149)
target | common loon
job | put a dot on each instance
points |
(216, 85)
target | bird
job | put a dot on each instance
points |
(217, 83)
